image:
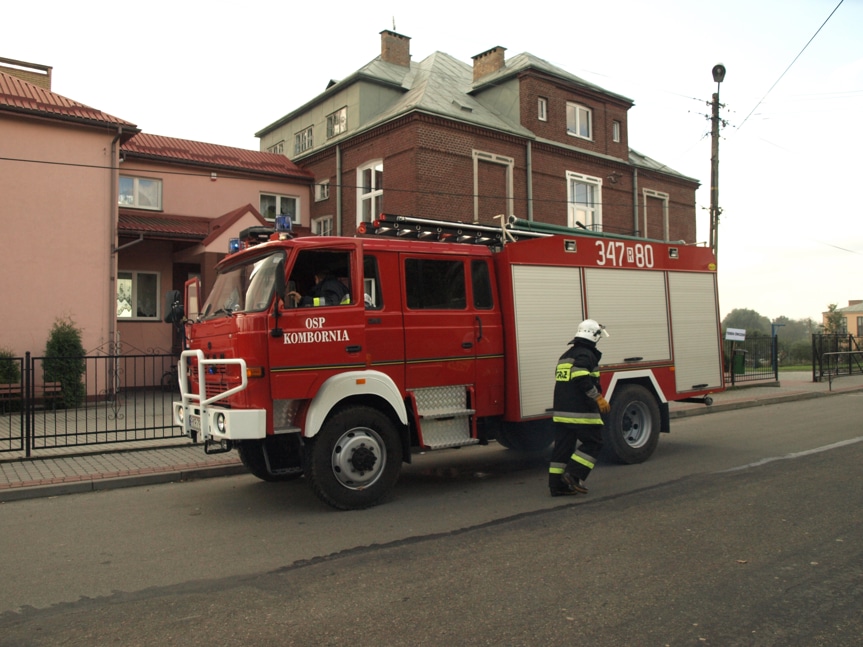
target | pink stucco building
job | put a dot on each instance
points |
(99, 220)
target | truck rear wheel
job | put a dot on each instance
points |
(275, 458)
(355, 459)
(631, 432)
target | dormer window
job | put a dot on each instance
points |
(303, 140)
(337, 122)
(579, 121)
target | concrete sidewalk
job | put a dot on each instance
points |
(146, 463)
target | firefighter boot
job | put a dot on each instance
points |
(557, 487)
(573, 483)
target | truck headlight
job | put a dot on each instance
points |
(220, 422)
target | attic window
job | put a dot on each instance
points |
(337, 122)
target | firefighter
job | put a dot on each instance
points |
(327, 291)
(578, 409)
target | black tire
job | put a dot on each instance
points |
(631, 431)
(355, 459)
(533, 436)
(283, 452)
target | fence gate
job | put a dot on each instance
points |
(90, 400)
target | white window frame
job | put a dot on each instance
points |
(579, 121)
(303, 140)
(615, 131)
(133, 295)
(542, 108)
(370, 191)
(503, 160)
(323, 226)
(322, 191)
(278, 207)
(137, 198)
(337, 122)
(588, 213)
(664, 197)
(278, 148)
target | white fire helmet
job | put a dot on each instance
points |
(590, 330)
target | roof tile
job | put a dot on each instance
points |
(17, 95)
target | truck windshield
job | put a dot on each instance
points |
(246, 287)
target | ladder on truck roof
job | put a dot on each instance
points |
(410, 227)
(512, 229)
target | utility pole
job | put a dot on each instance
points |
(718, 76)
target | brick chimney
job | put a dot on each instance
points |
(488, 62)
(855, 302)
(31, 72)
(395, 48)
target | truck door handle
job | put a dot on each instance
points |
(354, 349)
(479, 323)
(467, 344)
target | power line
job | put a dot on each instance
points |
(790, 65)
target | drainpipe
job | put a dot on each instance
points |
(338, 228)
(114, 210)
(635, 201)
(529, 181)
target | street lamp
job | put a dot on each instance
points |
(719, 77)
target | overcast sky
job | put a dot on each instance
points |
(790, 235)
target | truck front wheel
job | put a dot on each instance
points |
(631, 431)
(355, 459)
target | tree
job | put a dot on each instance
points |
(10, 372)
(64, 361)
(835, 321)
(753, 323)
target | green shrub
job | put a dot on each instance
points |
(10, 371)
(64, 361)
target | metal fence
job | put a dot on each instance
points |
(836, 355)
(92, 400)
(754, 359)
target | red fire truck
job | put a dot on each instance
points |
(447, 335)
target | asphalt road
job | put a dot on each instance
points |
(745, 528)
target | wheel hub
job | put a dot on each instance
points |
(636, 425)
(364, 459)
(358, 458)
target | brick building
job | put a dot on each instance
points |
(444, 139)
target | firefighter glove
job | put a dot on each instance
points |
(603, 405)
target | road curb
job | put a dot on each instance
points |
(76, 485)
(757, 402)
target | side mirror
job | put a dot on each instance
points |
(280, 282)
(173, 307)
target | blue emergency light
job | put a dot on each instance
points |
(233, 245)
(284, 223)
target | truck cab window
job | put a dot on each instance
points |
(321, 278)
(481, 282)
(434, 284)
(372, 295)
(246, 287)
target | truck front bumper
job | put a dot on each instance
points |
(210, 423)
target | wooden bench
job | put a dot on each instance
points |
(9, 393)
(44, 393)
(48, 392)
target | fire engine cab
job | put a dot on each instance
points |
(336, 357)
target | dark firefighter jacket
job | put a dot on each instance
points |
(576, 384)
